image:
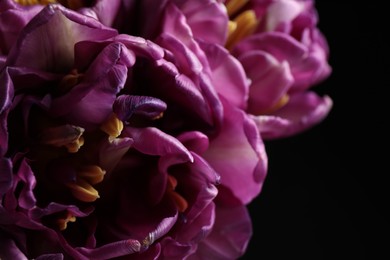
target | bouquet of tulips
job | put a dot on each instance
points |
(135, 129)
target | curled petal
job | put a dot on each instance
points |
(125, 106)
(153, 141)
(112, 250)
(303, 111)
(194, 141)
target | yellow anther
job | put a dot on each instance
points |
(63, 222)
(92, 173)
(158, 116)
(246, 25)
(113, 126)
(35, 2)
(282, 101)
(76, 145)
(83, 191)
(232, 26)
(69, 81)
(233, 6)
(65, 135)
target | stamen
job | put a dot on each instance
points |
(233, 6)
(232, 26)
(66, 135)
(83, 191)
(282, 101)
(246, 25)
(92, 173)
(69, 81)
(113, 126)
(63, 222)
(35, 2)
(179, 200)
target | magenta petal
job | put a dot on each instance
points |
(65, 27)
(208, 14)
(303, 111)
(238, 155)
(13, 17)
(194, 141)
(6, 95)
(125, 106)
(153, 141)
(228, 75)
(230, 235)
(271, 80)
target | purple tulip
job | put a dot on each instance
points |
(284, 54)
(114, 145)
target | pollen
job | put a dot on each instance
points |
(35, 2)
(245, 25)
(69, 81)
(63, 222)
(92, 173)
(83, 191)
(233, 6)
(113, 126)
(282, 102)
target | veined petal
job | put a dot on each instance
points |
(238, 155)
(125, 106)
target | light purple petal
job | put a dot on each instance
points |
(228, 75)
(13, 18)
(238, 156)
(271, 80)
(153, 141)
(208, 14)
(65, 27)
(194, 141)
(304, 110)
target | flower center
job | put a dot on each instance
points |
(242, 22)
(180, 202)
(82, 188)
(68, 136)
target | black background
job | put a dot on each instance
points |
(326, 195)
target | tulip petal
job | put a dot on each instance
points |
(304, 110)
(238, 155)
(5, 176)
(230, 236)
(228, 75)
(9, 249)
(55, 24)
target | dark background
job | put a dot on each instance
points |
(326, 195)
